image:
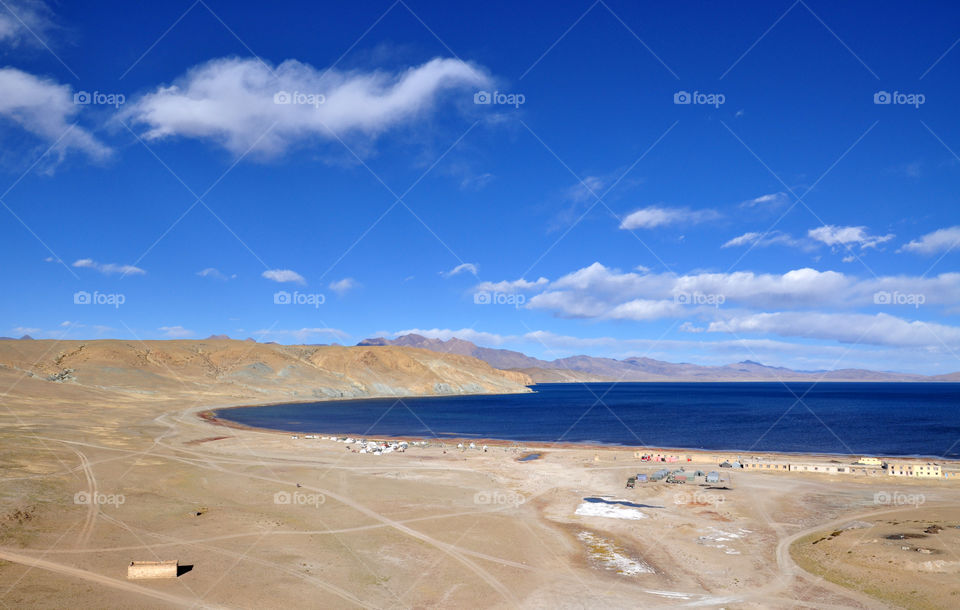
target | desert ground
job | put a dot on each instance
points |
(111, 463)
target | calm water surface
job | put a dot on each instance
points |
(870, 418)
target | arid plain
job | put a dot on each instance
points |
(106, 460)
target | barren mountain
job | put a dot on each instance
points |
(591, 368)
(244, 370)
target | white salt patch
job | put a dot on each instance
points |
(671, 594)
(610, 556)
(610, 511)
(717, 539)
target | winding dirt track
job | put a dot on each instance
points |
(774, 592)
(114, 583)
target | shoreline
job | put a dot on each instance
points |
(209, 415)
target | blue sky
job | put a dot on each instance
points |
(325, 173)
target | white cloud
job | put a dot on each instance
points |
(510, 287)
(45, 108)
(108, 268)
(24, 22)
(599, 292)
(771, 200)
(845, 236)
(941, 240)
(762, 240)
(283, 275)
(467, 334)
(656, 216)
(231, 102)
(175, 332)
(461, 268)
(342, 287)
(588, 190)
(876, 329)
(215, 274)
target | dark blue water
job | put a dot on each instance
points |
(892, 419)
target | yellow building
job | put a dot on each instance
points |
(922, 471)
(870, 461)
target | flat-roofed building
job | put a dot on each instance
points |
(920, 471)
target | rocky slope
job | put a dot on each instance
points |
(244, 370)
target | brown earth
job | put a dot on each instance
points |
(104, 460)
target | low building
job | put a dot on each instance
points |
(920, 471)
(767, 466)
(870, 461)
(818, 468)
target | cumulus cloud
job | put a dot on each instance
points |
(832, 235)
(656, 216)
(511, 286)
(600, 292)
(941, 240)
(231, 101)
(461, 268)
(283, 275)
(45, 109)
(342, 287)
(175, 332)
(108, 268)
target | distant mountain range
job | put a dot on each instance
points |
(589, 368)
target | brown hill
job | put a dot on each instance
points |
(243, 370)
(591, 368)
